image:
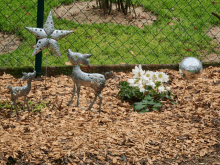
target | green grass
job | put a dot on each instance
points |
(158, 43)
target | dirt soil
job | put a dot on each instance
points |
(8, 42)
(214, 33)
(184, 135)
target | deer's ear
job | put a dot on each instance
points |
(87, 55)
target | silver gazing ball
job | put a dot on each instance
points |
(190, 68)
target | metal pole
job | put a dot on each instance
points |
(40, 21)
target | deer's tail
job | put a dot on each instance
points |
(10, 88)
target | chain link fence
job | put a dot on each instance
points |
(125, 32)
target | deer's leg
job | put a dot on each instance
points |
(92, 102)
(11, 108)
(78, 92)
(73, 94)
(28, 106)
(26, 100)
(15, 105)
(100, 96)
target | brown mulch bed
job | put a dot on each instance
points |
(187, 134)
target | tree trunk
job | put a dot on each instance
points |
(106, 5)
(110, 8)
(122, 6)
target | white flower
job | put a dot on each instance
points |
(168, 88)
(138, 72)
(140, 84)
(161, 89)
(131, 81)
(134, 85)
(142, 79)
(159, 76)
(152, 84)
(145, 79)
(149, 74)
(142, 90)
(166, 77)
(162, 77)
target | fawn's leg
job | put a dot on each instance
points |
(11, 108)
(73, 94)
(26, 100)
(28, 105)
(78, 92)
(24, 103)
(11, 111)
(100, 103)
(92, 102)
(15, 105)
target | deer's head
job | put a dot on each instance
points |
(27, 76)
(77, 58)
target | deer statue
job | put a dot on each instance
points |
(93, 80)
(21, 91)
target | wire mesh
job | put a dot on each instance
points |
(152, 32)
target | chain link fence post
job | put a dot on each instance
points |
(40, 20)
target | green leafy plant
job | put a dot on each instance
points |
(129, 93)
(40, 106)
(145, 91)
(143, 102)
(5, 104)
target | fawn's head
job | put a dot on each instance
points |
(28, 76)
(78, 58)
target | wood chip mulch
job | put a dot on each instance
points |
(71, 135)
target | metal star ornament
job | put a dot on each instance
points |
(48, 36)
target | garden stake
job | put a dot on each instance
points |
(93, 80)
(45, 86)
(48, 37)
(21, 91)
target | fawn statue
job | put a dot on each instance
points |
(93, 80)
(21, 91)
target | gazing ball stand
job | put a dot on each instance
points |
(190, 68)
